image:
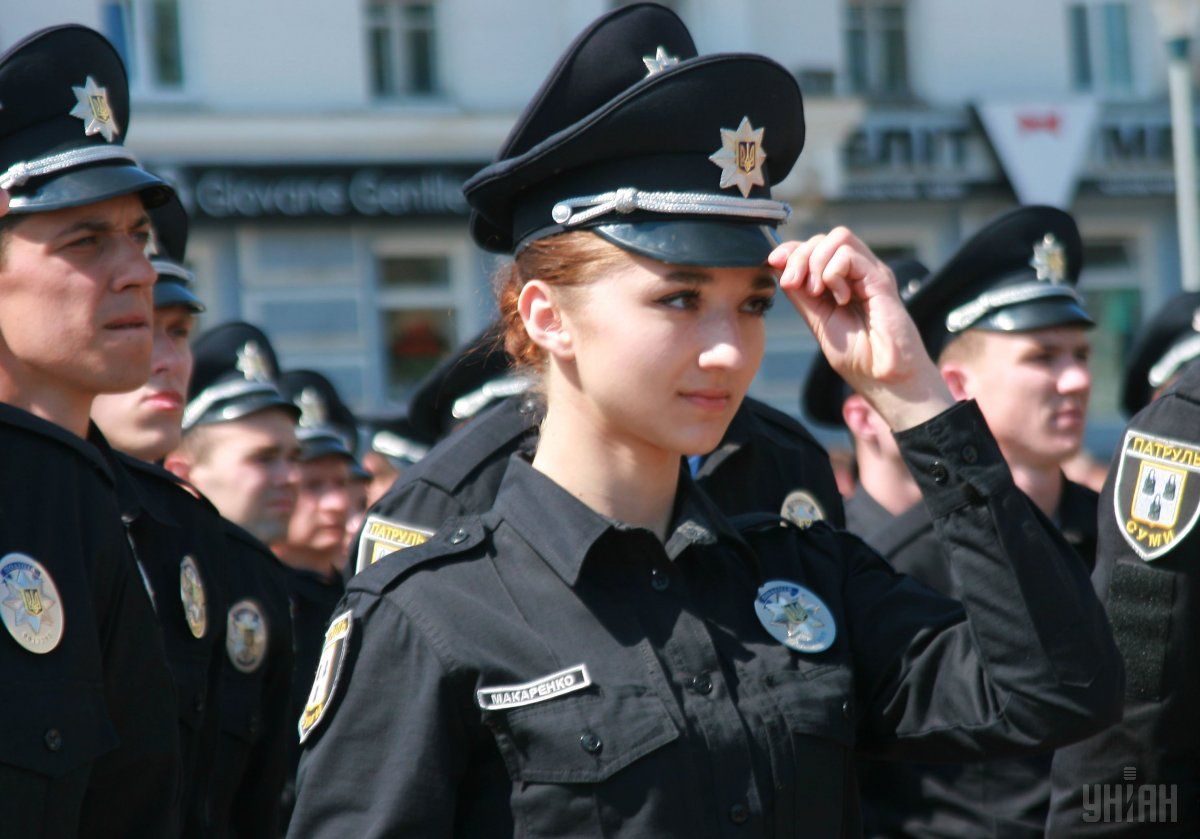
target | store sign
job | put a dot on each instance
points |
(915, 154)
(295, 192)
(1042, 146)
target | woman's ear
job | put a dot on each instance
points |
(540, 311)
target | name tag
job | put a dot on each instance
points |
(566, 681)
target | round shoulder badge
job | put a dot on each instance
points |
(191, 593)
(801, 508)
(31, 607)
(795, 616)
(246, 635)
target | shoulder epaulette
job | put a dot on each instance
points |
(483, 439)
(455, 537)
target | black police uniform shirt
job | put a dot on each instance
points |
(1006, 798)
(181, 557)
(90, 744)
(313, 598)
(1142, 776)
(543, 670)
(251, 762)
(766, 462)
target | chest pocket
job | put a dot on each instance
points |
(809, 733)
(585, 738)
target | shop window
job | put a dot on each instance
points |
(147, 35)
(419, 319)
(1100, 47)
(1112, 294)
(401, 48)
(876, 48)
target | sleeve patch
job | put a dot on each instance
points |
(329, 673)
(381, 537)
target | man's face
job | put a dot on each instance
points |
(247, 468)
(322, 506)
(1033, 389)
(146, 422)
(76, 302)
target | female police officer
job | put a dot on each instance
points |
(603, 653)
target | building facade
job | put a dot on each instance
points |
(320, 148)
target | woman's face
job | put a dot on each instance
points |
(663, 354)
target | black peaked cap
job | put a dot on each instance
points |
(824, 391)
(174, 284)
(236, 374)
(1166, 344)
(326, 426)
(1016, 274)
(605, 122)
(466, 371)
(64, 118)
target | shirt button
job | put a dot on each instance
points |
(53, 739)
(701, 684)
(846, 709)
(200, 704)
(254, 725)
(970, 454)
(739, 813)
(590, 743)
(458, 537)
(658, 580)
(527, 407)
(939, 472)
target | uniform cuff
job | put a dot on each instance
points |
(954, 459)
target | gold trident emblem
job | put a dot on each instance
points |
(747, 155)
(32, 599)
(794, 612)
(100, 107)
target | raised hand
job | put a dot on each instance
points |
(849, 300)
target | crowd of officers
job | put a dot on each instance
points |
(178, 515)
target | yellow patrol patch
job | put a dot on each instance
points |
(801, 508)
(381, 537)
(329, 673)
(1155, 501)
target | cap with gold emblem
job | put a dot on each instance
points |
(64, 114)
(236, 374)
(326, 426)
(1167, 343)
(1015, 275)
(174, 284)
(660, 151)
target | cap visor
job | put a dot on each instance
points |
(1038, 314)
(91, 185)
(175, 294)
(244, 407)
(323, 445)
(708, 243)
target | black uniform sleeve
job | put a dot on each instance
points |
(1141, 777)
(387, 759)
(1033, 666)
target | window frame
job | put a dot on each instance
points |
(397, 28)
(139, 49)
(874, 29)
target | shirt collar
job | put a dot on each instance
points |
(529, 500)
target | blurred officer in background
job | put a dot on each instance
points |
(1008, 328)
(390, 446)
(312, 550)
(1142, 776)
(91, 743)
(178, 537)
(239, 449)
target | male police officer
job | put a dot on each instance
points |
(1009, 331)
(312, 550)
(178, 536)
(238, 448)
(90, 743)
(1142, 776)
